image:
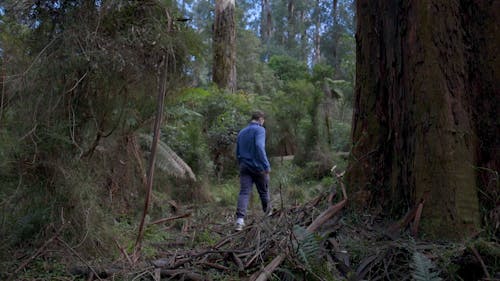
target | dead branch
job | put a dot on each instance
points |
(320, 220)
(80, 257)
(171, 218)
(269, 269)
(162, 88)
(478, 257)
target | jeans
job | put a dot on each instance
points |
(247, 178)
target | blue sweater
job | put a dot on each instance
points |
(251, 147)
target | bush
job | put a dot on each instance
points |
(341, 136)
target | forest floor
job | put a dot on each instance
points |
(345, 247)
(313, 237)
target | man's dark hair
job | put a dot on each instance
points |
(258, 114)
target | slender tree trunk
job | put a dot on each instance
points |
(291, 29)
(421, 122)
(266, 25)
(224, 44)
(335, 37)
(162, 89)
(304, 46)
(317, 33)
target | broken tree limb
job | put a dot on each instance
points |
(330, 212)
(326, 215)
(269, 269)
(394, 229)
(320, 220)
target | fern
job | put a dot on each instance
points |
(308, 247)
(167, 160)
(423, 268)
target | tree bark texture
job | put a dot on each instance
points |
(266, 22)
(224, 44)
(426, 103)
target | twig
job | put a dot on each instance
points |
(171, 218)
(214, 265)
(34, 61)
(124, 253)
(80, 257)
(77, 82)
(476, 253)
(237, 261)
(37, 252)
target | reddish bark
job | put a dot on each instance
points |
(425, 108)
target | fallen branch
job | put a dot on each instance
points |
(80, 257)
(320, 220)
(171, 218)
(394, 229)
(478, 257)
(269, 269)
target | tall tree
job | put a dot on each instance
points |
(224, 45)
(317, 32)
(426, 108)
(266, 22)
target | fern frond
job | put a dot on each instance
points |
(423, 268)
(167, 160)
(309, 246)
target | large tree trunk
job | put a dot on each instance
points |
(224, 44)
(425, 109)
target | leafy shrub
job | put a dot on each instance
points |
(341, 136)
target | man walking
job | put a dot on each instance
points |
(254, 167)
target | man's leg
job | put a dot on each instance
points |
(262, 184)
(246, 183)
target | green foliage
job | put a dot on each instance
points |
(167, 160)
(226, 194)
(76, 91)
(342, 136)
(204, 126)
(287, 68)
(204, 238)
(321, 71)
(44, 269)
(307, 246)
(254, 76)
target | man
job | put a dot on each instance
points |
(254, 167)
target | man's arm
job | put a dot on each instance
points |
(260, 142)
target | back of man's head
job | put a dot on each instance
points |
(256, 115)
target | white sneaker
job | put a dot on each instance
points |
(239, 224)
(269, 211)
